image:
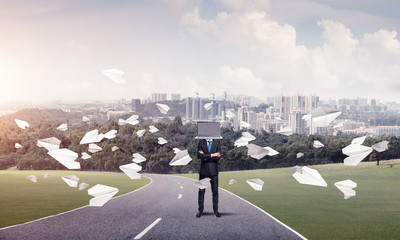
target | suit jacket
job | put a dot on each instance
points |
(208, 164)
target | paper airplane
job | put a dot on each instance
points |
(83, 186)
(17, 145)
(309, 176)
(318, 144)
(244, 124)
(181, 158)
(138, 158)
(256, 151)
(208, 106)
(110, 134)
(46, 175)
(85, 155)
(176, 150)
(229, 114)
(71, 180)
(356, 152)
(287, 131)
(153, 129)
(114, 148)
(93, 148)
(346, 187)
(162, 141)
(85, 119)
(256, 184)
(324, 120)
(21, 124)
(271, 152)
(381, 146)
(140, 133)
(32, 178)
(297, 169)
(92, 137)
(244, 140)
(299, 155)
(339, 126)
(163, 108)
(101, 194)
(203, 183)
(359, 140)
(133, 120)
(51, 143)
(115, 75)
(232, 181)
(66, 157)
(63, 127)
(131, 170)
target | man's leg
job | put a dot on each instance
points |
(201, 199)
(214, 189)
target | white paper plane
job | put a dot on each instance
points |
(244, 140)
(256, 184)
(176, 150)
(17, 145)
(115, 75)
(346, 187)
(63, 127)
(309, 176)
(163, 108)
(85, 155)
(208, 106)
(71, 180)
(46, 175)
(324, 120)
(203, 183)
(229, 114)
(153, 129)
(114, 148)
(318, 144)
(101, 194)
(50, 143)
(359, 140)
(287, 131)
(85, 119)
(162, 141)
(66, 157)
(140, 133)
(83, 186)
(93, 148)
(182, 158)
(271, 152)
(32, 178)
(92, 137)
(133, 120)
(232, 181)
(299, 155)
(21, 124)
(110, 134)
(244, 124)
(297, 169)
(381, 146)
(138, 158)
(131, 170)
(256, 151)
(356, 152)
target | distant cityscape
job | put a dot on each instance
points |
(358, 116)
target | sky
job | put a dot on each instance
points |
(57, 49)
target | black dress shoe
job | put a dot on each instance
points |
(217, 214)
(199, 214)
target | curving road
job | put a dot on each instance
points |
(164, 209)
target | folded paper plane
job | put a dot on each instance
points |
(140, 133)
(163, 108)
(244, 140)
(133, 120)
(51, 143)
(63, 127)
(71, 180)
(21, 124)
(46, 175)
(17, 145)
(287, 131)
(85, 155)
(131, 170)
(83, 186)
(153, 129)
(101, 194)
(181, 158)
(203, 183)
(162, 141)
(92, 137)
(356, 152)
(232, 181)
(32, 178)
(381, 146)
(66, 157)
(115, 75)
(309, 176)
(93, 148)
(359, 140)
(110, 134)
(244, 124)
(85, 119)
(176, 150)
(208, 106)
(318, 144)
(346, 187)
(114, 148)
(138, 158)
(229, 114)
(256, 184)
(256, 151)
(299, 155)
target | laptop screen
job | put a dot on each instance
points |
(208, 130)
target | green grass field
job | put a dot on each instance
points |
(22, 200)
(322, 213)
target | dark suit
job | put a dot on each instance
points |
(208, 168)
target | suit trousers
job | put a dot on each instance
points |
(214, 189)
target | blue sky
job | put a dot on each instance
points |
(58, 49)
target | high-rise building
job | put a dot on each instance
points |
(158, 97)
(297, 123)
(175, 97)
(196, 109)
(285, 104)
(136, 105)
(189, 109)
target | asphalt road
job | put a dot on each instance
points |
(166, 208)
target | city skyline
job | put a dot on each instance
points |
(334, 49)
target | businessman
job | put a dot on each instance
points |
(208, 151)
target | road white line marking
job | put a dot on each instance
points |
(147, 229)
(181, 187)
(180, 196)
(179, 183)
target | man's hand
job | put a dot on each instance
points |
(201, 152)
(217, 154)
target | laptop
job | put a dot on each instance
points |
(208, 130)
